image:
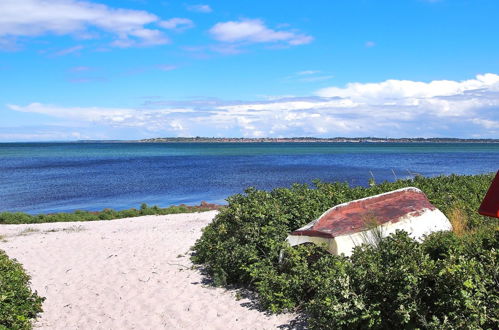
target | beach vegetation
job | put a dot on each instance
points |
(373, 231)
(458, 220)
(28, 231)
(106, 214)
(450, 280)
(70, 229)
(19, 305)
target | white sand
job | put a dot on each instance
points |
(126, 274)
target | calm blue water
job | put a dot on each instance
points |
(53, 177)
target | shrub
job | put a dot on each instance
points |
(400, 283)
(383, 287)
(298, 278)
(18, 304)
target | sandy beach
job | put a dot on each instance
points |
(127, 274)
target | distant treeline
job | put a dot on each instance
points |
(314, 139)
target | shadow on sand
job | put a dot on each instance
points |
(251, 300)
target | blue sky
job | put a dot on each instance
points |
(134, 69)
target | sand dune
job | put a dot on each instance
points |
(126, 274)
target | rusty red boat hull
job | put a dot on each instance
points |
(345, 224)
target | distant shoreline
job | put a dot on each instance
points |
(274, 140)
(298, 140)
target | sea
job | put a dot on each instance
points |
(63, 177)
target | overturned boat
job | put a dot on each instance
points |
(347, 225)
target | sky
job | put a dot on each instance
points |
(134, 69)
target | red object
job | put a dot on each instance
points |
(490, 204)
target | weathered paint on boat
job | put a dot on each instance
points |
(347, 225)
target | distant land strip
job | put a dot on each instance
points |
(311, 140)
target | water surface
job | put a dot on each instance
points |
(53, 177)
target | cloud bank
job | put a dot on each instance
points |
(392, 108)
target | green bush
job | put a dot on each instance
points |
(18, 304)
(106, 214)
(399, 284)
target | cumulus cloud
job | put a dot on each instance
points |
(255, 31)
(21, 18)
(177, 23)
(393, 108)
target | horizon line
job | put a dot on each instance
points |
(348, 139)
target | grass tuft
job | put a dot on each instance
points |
(373, 232)
(459, 220)
(28, 231)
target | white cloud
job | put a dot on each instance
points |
(200, 8)
(78, 18)
(393, 108)
(177, 23)
(291, 105)
(112, 116)
(487, 124)
(255, 31)
(307, 72)
(412, 90)
(309, 76)
(41, 135)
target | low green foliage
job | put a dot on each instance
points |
(401, 284)
(18, 304)
(448, 281)
(106, 214)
